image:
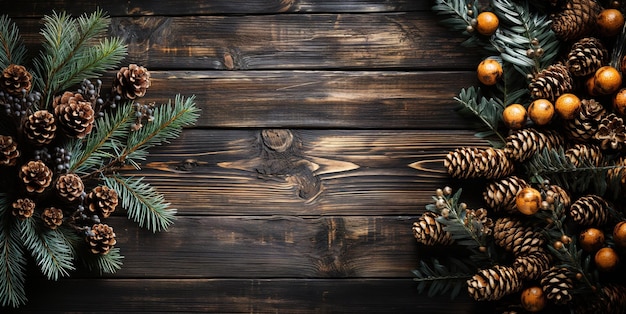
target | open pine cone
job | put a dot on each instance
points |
(74, 114)
(40, 127)
(101, 239)
(132, 81)
(15, 80)
(8, 151)
(36, 176)
(102, 200)
(23, 208)
(52, 217)
(611, 132)
(70, 187)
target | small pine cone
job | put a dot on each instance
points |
(16, 80)
(513, 235)
(102, 200)
(75, 115)
(40, 127)
(70, 187)
(582, 155)
(551, 82)
(101, 239)
(530, 266)
(8, 151)
(500, 195)
(52, 217)
(132, 81)
(585, 124)
(586, 56)
(36, 176)
(428, 231)
(590, 210)
(611, 133)
(576, 19)
(559, 193)
(493, 283)
(471, 162)
(23, 208)
(557, 284)
(524, 143)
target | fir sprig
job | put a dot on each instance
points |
(440, 279)
(12, 258)
(103, 263)
(458, 16)
(49, 248)
(487, 111)
(12, 49)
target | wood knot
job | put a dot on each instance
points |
(278, 140)
(187, 164)
(229, 62)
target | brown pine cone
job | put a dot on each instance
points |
(75, 115)
(102, 200)
(523, 144)
(485, 223)
(513, 235)
(132, 81)
(8, 151)
(500, 195)
(557, 284)
(471, 162)
(590, 210)
(52, 217)
(551, 82)
(576, 19)
(582, 155)
(36, 176)
(559, 193)
(584, 125)
(69, 186)
(493, 283)
(611, 133)
(530, 266)
(101, 239)
(586, 56)
(16, 80)
(428, 231)
(40, 127)
(23, 208)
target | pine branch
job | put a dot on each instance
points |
(144, 205)
(440, 279)
(12, 258)
(103, 263)
(458, 18)
(51, 252)
(487, 111)
(12, 49)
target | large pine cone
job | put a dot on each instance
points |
(36, 176)
(551, 83)
(102, 200)
(132, 81)
(585, 124)
(530, 266)
(611, 299)
(500, 195)
(70, 187)
(74, 114)
(590, 210)
(8, 151)
(583, 155)
(427, 230)
(586, 56)
(471, 162)
(16, 80)
(513, 235)
(611, 133)
(557, 284)
(23, 208)
(523, 144)
(52, 217)
(40, 127)
(101, 239)
(493, 283)
(576, 19)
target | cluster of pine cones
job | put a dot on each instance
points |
(34, 166)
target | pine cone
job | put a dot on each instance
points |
(23, 208)
(485, 223)
(36, 176)
(576, 19)
(610, 299)
(551, 83)
(8, 151)
(513, 235)
(493, 283)
(590, 210)
(101, 239)
(500, 195)
(102, 200)
(428, 231)
(557, 192)
(132, 81)
(611, 133)
(586, 56)
(583, 127)
(74, 114)
(557, 284)
(582, 155)
(70, 187)
(523, 144)
(617, 175)
(471, 162)
(16, 80)
(52, 217)
(40, 127)
(530, 266)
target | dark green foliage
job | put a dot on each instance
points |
(487, 112)
(12, 49)
(12, 257)
(436, 278)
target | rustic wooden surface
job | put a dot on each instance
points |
(322, 132)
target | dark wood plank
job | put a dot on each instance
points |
(236, 296)
(318, 99)
(330, 172)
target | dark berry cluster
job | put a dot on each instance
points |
(143, 113)
(59, 159)
(19, 105)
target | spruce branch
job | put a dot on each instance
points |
(12, 258)
(51, 252)
(439, 279)
(12, 49)
(144, 205)
(486, 111)
(103, 263)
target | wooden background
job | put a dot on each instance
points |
(323, 128)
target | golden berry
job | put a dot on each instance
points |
(541, 111)
(606, 259)
(610, 22)
(591, 239)
(567, 106)
(619, 234)
(619, 102)
(489, 71)
(528, 201)
(487, 23)
(607, 80)
(514, 116)
(533, 299)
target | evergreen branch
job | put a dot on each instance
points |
(440, 279)
(51, 252)
(487, 111)
(12, 258)
(144, 205)
(458, 18)
(103, 263)
(12, 49)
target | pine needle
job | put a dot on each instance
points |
(103, 263)
(12, 258)
(438, 279)
(12, 49)
(51, 252)
(486, 111)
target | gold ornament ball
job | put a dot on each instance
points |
(606, 259)
(610, 22)
(528, 201)
(619, 234)
(487, 23)
(514, 116)
(591, 239)
(541, 111)
(533, 299)
(489, 72)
